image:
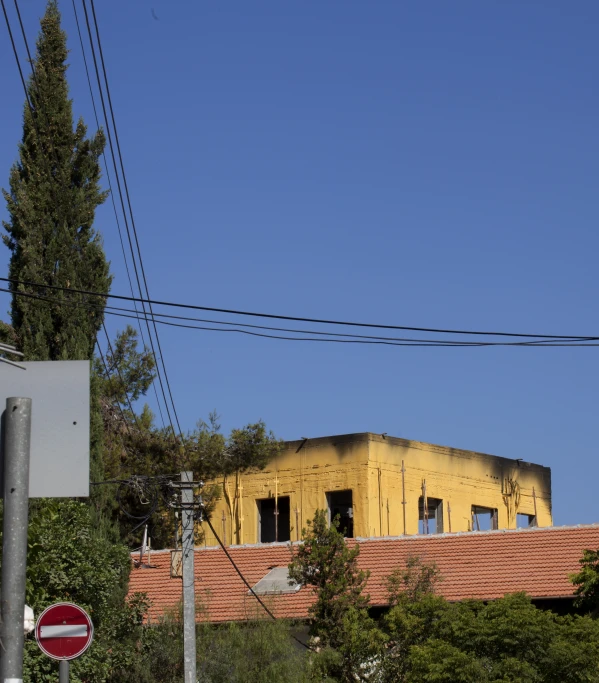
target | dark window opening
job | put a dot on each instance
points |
(524, 521)
(340, 504)
(484, 519)
(273, 520)
(432, 522)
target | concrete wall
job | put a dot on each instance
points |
(457, 477)
(370, 465)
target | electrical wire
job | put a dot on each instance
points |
(254, 334)
(245, 581)
(116, 215)
(321, 321)
(158, 358)
(326, 337)
(111, 146)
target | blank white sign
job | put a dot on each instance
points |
(59, 391)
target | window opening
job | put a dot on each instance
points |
(273, 520)
(484, 519)
(341, 503)
(432, 521)
(524, 521)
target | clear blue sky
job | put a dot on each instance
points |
(429, 164)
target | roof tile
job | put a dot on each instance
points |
(484, 565)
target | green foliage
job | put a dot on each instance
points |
(339, 615)
(413, 582)
(587, 582)
(213, 455)
(425, 639)
(69, 561)
(437, 661)
(252, 652)
(129, 373)
(256, 652)
(505, 640)
(54, 193)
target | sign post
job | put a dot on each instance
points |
(64, 631)
(44, 452)
(17, 424)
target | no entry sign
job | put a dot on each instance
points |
(64, 631)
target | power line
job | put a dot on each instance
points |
(326, 336)
(16, 54)
(116, 216)
(320, 321)
(245, 581)
(110, 310)
(160, 359)
(109, 136)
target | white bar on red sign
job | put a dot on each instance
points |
(68, 631)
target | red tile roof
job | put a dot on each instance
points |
(483, 565)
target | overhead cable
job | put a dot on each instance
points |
(325, 337)
(116, 215)
(320, 321)
(159, 358)
(245, 581)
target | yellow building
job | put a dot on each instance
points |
(377, 484)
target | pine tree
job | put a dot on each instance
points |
(54, 193)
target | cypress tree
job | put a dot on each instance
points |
(54, 193)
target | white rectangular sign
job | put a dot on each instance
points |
(59, 391)
(68, 631)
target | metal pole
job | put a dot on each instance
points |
(403, 494)
(425, 507)
(276, 509)
(189, 612)
(63, 671)
(17, 434)
(380, 507)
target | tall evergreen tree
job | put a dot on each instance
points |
(54, 193)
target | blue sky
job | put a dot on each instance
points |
(427, 164)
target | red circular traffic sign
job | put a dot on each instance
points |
(64, 631)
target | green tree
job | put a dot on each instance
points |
(586, 582)
(415, 611)
(54, 193)
(413, 582)
(340, 624)
(133, 445)
(504, 640)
